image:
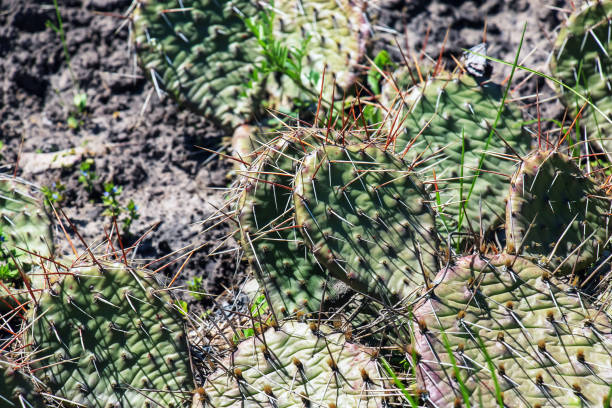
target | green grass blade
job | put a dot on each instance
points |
(543, 75)
(499, 113)
(398, 383)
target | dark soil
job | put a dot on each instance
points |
(148, 146)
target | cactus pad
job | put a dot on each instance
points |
(201, 55)
(24, 224)
(16, 390)
(582, 60)
(367, 219)
(287, 272)
(446, 129)
(107, 336)
(515, 335)
(336, 34)
(556, 215)
(293, 366)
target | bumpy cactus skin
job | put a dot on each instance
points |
(367, 219)
(582, 60)
(288, 273)
(202, 56)
(556, 215)
(294, 366)
(448, 123)
(24, 222)
(16, 390)
(336, 33)
(546, 345)
(111, 339)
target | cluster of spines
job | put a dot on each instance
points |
(296, 364)
(507, 329)
(104, 335)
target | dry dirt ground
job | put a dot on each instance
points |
(148, 146)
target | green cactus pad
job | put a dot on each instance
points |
(367, 219)
(505, 320)
(450, 117)
(294, 366)
(556, 215)
(582, 60)
(107, 336)
(16, 390)
(24, 224)
(336, 32)
(288, 273)
(202, 55)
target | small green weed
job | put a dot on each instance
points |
(113, 209)
(382, 61)
(54, 194)
(182, 307)
(87, 175)
(132, 214)
(258, 308)
(195, 288)
(9, 271)
(75, 120)
(278, 58)
(110, 200)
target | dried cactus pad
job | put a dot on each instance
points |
(367, 219)
(582, 60)
(297, 365)
(16, 390)
(202, 54)
(556, 215)
(24, 223)
(446, 128)
(108, 337)
(505, 320)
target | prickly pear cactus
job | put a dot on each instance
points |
(556, 215)
(334, 34)
(504, 332)
(293, 366)
(202, 54)
(24, 224)
(445, 124)
(582, 60)
(107, 336)
(16, 390)
(287, 272)
(367, 219)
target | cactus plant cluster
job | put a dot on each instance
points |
(376, 209)
(477, 263)
(204, 53)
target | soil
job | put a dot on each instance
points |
(149, 146)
